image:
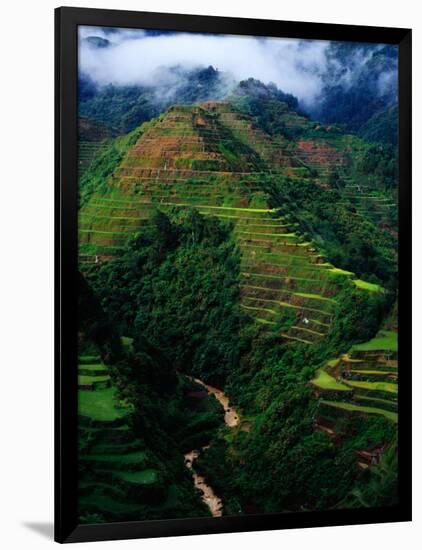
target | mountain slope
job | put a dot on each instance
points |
(215, 158)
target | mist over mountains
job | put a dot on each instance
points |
(128, 76)
(237, 249)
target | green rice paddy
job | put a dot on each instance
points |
(373, 386)
(367, 286)
(371, 372)
(202, 173)
(362, 409)
(100, 405)
(327, 382)
(86, 379)
(144, 477)
(119, 459)
(385, 340)
(380, 393)
(338, 271)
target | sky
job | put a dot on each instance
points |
(135, 56)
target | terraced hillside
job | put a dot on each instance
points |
(362, 381)
(120, 477)
(321, 156)
(91, 141)
(379, 206)
(87, 150)
(238, 259)
(336, 159)
(115, 469)
(214, 158)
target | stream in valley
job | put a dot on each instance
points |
(231, 419)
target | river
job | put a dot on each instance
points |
(231, 418)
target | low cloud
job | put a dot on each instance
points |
(299, 67)
(134, 57)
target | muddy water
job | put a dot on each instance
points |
(213, 502)
(231, 419)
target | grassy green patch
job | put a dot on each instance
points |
(127, 343)
(129, 458)
(339, 271)
(367, 286)
(385, 340)
(280, 236)
(358, 408)
(86, 379)
(94, 369)
(376, 400)
(374, 372)
(265, 321)
(286, 304)
(308, 330)
(144, 477)
(99, 405)
(296, 339)
(373, 386)
(327, 382)
(272, 311)
(315, 297)
(212, 207)
(93, 366)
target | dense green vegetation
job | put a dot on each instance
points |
(349, 242)
(126, 107)
(180, 292)
(104, 163)
(283, 463)
(123, 108)
(245, 245)
(132, 435)
(359, 102)
(377, 490)
(385, 340)
(327, 382)
(382, 127)
(268, 382)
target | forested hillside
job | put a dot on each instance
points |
(243, 244)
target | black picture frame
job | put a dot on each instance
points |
(66, 22)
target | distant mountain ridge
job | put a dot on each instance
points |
(359, 84)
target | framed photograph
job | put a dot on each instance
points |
(233, 275)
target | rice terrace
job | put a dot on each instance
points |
(237, 278)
